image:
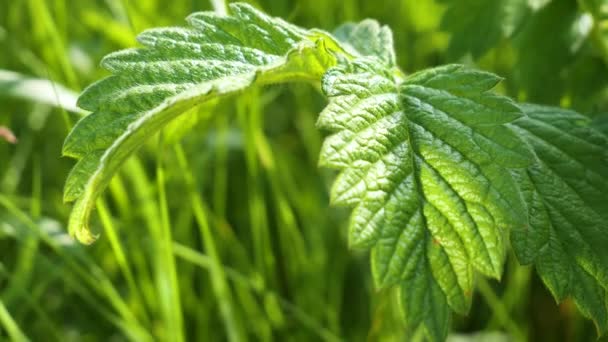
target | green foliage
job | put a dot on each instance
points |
(449, 180)
(424, 163)
(179, 69)
(553, 31)
(533, 43)
(565, 191)
(425, 159)
(368, 38)
(496, 19)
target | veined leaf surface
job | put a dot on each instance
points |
(368, 38)
(425, 163)
(566, 195)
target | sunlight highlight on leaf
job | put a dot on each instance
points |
(424, 162)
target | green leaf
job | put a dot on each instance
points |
(424, 162)
(368, 38)
(601, 123)
(565, 191)
(479, 25)
(547, 46)
(177, 69)
(586, 82)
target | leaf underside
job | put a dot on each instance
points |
(177, 69)
(424, 162)
(368, 38)
(565, 192)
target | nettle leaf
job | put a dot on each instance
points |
(368, 38)
(424, 162)
(547, 46)
(479, 25)
(177, 69)
(601, 123)
(566, 194)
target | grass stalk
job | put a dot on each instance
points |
(166, 269)
(234, 329)
(499, 310)
(111, 233)
(207, 262)
(13, 330)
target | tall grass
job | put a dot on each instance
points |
(220, 228)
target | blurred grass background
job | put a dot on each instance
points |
(220, 228)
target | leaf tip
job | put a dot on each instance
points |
(67, 149)
(84, 235)
(68, 195)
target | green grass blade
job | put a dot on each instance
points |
(221, 289)
(13, 330)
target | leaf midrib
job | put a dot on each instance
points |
(422, 198)
(465, 204)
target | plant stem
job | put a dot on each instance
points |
(220, 285)
(264, 258)
(88, 273)
(499, 310)
(119, 253)
(207, 262)
(220, 170)
(167, 273)
(13, 330)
